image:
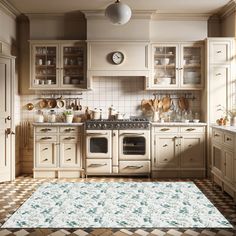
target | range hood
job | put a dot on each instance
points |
(102, 59)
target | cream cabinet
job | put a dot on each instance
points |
(224, 159)
(177, 65)
(57, 65)
(178, 151)
(57, 151)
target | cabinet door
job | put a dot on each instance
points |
(166, 151)
(44, 66)
(192, 151)
(191, 65)
(218, 92)
(228, 165)
(70, 154)
(164, 64)
(45, 154)
(73, 65)
(217, 159)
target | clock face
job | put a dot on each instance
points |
(117, 58)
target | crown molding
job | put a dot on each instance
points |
(44, 15)
(228, 9)
(181, 16)
(100, 14)
(9, 9)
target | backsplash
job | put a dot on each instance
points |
(124, 93)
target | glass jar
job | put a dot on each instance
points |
(39, 116)
(52, 116)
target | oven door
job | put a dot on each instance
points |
(98, 143)
(134, 145)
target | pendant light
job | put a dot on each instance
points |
(118, 13)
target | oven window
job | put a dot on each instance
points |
(134, 146)
(98, 145)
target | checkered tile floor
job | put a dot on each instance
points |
(13, 194)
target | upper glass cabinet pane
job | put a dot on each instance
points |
(164, 65)
(45, 65)
(192, 65)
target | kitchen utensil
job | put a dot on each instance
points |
(52, 103)
(72, 105)
(195, 120)
(96, 114)
(165, 61)
(120, 116)
(79, 105)
(66, 80)
(30, 106)
(183, 103)
(61, 103)
(43, 103)
(166, 101)
(74, 81)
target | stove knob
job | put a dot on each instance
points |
(100, 125)
(104, 125)
(118, 125)
(94, 126)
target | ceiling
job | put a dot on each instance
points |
(161, 6)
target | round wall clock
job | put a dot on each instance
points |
(117, 57)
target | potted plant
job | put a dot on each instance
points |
(69, 116)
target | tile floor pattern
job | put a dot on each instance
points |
(13, 194)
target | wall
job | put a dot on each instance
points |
(8, 35)
(228, 25)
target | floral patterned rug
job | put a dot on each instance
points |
(118, 205)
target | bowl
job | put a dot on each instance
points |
(165, 61)
(195, 120)
(186, 121)
(74, 81)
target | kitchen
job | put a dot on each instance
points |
(93, 101)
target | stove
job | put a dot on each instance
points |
(105, 124)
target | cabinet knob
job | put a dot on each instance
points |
(228, 139)
(165, 159)
(190, 129)
(216, 135)
(45, 159)
(218, 51)
(69, 159)
(46, 138)
(68, 149)
(218, 74)
(165, 145)
(165, 129)
(190, 145)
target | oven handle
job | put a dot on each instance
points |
(135, 134)
(97, 165)
(95, 134)
(134, 167)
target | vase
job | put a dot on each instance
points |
(69, 118)
(156, 116)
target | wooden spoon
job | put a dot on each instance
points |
(166, 103)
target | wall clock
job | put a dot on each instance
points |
(117, 57)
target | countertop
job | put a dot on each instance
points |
(178, 124)
(231, 129)
(57, 124)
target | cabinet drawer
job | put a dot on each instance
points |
(166, 129)
(192, 129)
(134, 167)
(217, 136)
(68, 138)
(228, 139)
(48, 129)
(46, 138)
(68, 130)
(98, 166)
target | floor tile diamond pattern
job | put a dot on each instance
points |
(13, 194)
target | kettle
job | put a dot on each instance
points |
(97, 114)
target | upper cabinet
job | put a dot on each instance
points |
(177, 66)
(57, 65)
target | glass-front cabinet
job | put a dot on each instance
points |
(177, 66)
(58, 65)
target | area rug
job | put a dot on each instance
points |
(118, 205)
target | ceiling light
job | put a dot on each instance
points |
(118, 13)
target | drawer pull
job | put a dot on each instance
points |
(218, 51)
(45, 159)
(216, 135)
(228, 139)
(69, 159)
(190, 145)
(180, 137)
(190, 129)
(97, 165)
(45, 149)
(69, 130)
(69, 138)
(95, 134)
(165, 145)
(46, 129)
(218, 74)
(134, 167)
(165, 159)
(46, 138)
(165, 129)
(68, 149)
